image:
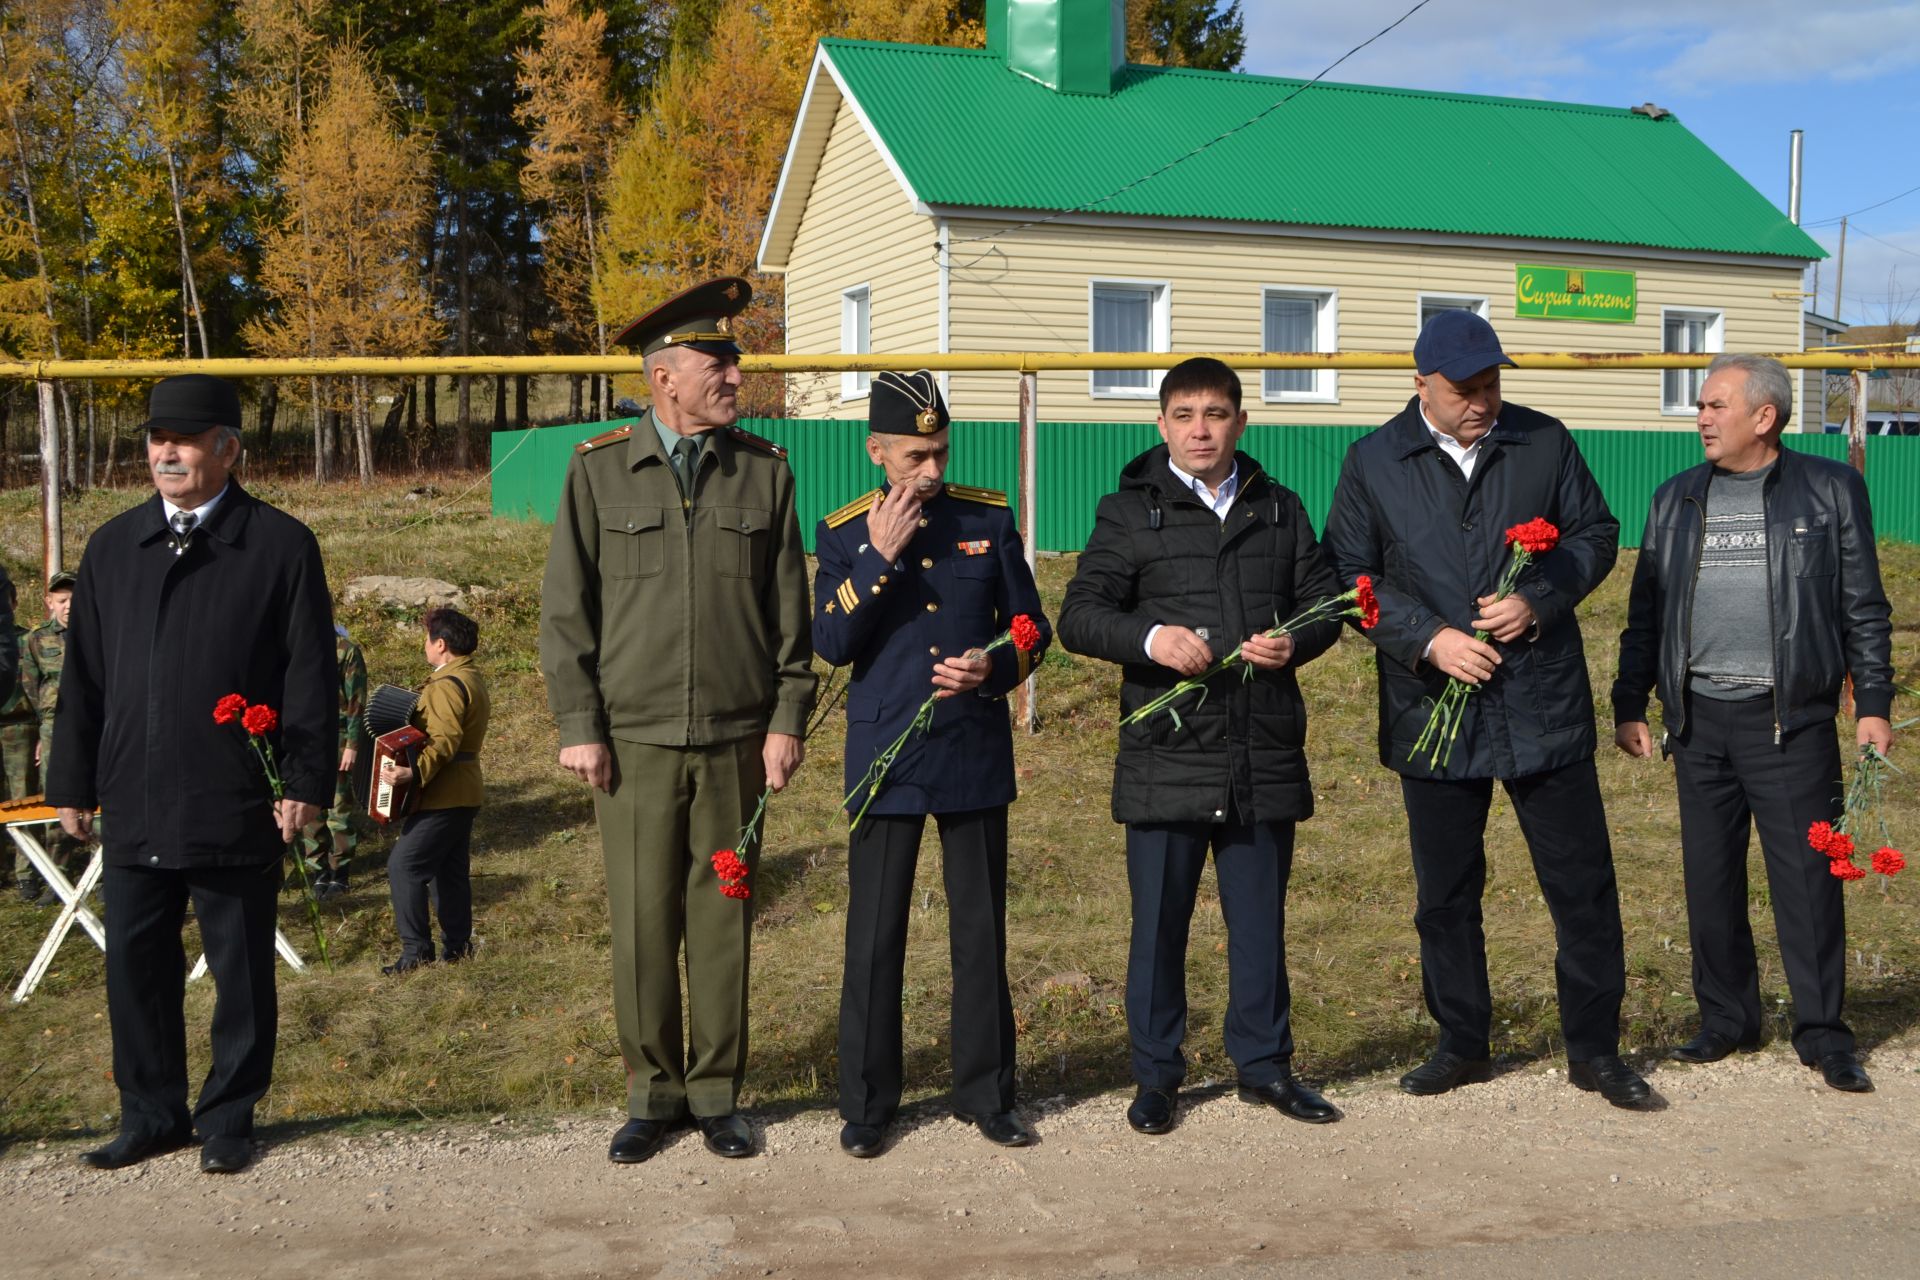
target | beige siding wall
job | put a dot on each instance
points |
(858, 229)
(1028, 289)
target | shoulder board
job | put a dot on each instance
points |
(753, 441)
(604, 439)
(992, 497)
(859, 506)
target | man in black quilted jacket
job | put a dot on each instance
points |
(1198, 551)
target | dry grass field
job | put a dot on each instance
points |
(528, 1026)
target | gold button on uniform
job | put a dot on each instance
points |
(883, 577)
(923, 522)
(875, 589)
(934, 650)
(926, 563)
(932, 607)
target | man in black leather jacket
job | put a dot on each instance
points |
(1756, 594)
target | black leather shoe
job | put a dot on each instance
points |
(132, 1148)
(1611, 1078)
(1152, 1110)
(1289, 1097)
(1844, 1072)
(863, 1141)
(1002, 1128)
(637, 1140)
(405, 964)
(222, 1154)
(729, 1135)
(1710, 1046)
(1444, 1071)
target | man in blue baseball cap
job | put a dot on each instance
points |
(1424, 505)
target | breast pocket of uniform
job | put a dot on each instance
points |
(973, 581)
(744, 535)
(632, 541)
(1810, 547)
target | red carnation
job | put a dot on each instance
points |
(1840, 846)
(1887, 861)
(728, 866)
(1368, 602)
(1820, 836)
(1845, 869)
(260, 720)
(737, 891)
(1025, 634)
(229, 709)
(1536, 537)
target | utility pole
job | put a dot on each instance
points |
(1840, 271)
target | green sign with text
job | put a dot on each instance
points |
(1570, 293)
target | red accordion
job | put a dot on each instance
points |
(388, 712)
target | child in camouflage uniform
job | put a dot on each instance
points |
(43, 652)
(331, 882)
(18, 727)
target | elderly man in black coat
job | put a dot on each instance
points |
(201, 591)
(1423, 505)
(1201, 550)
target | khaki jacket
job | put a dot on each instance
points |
(453, 710)
(674, 624)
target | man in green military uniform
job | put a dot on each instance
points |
(675, 642)
(337, 822)
(43, 651)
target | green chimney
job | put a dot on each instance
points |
(1072, 46)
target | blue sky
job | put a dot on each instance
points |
(1740, 74)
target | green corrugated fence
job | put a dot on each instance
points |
(1080, 461)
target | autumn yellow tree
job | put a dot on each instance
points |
(341, 261)
(694, 177)
(573, 122)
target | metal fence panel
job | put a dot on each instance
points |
(1081, 461)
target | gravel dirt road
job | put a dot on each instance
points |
(1750, 1167)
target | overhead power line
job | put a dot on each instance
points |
(1827, 222)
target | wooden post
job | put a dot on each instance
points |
(50, 549)
(1029, 709)
(1857, 422)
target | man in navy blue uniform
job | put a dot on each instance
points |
(914, 579)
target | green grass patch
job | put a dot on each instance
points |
(528, 1027)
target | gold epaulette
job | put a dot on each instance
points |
(753, 441)
(992, 497)
(857, 507)
(604, 439)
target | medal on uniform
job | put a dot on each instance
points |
(926, 422)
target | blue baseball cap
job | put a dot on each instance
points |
(1457, 345)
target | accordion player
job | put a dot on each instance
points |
(389, 712)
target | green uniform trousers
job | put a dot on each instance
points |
(670, 810)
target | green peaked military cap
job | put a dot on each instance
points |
(700, 317)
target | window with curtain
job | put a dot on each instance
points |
(1297, 320)
(856, 337)
(1127, 317)
(1686, 333)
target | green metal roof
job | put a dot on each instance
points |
(965, 130)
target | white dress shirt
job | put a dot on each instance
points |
(1465, 455)
(1218, 501)
(201, 512)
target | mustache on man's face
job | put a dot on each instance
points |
(170, 469)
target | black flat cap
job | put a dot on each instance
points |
(190, 403)
(700, 317)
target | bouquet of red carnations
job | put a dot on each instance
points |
(259, 720)
(1358, 604)
(1534, 538)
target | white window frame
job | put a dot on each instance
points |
(1716, 343)
(1420, 301)
(1326, 382)
(855, 386)
(1161, 336)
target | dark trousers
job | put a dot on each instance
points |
(146, 982)
(881, 855)
(1732, 777)
(1253, 861)
(432, 859)
(1565, 826)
